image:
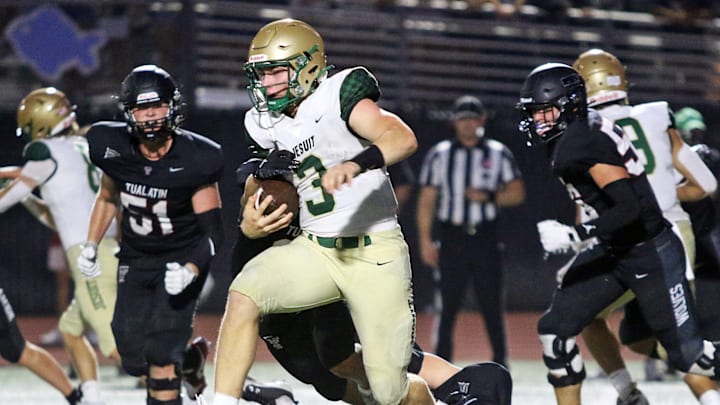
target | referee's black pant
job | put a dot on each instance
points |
(465, 255)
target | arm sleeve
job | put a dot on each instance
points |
(706, 180)
(211, 223)
(17, 192)
(625, 209)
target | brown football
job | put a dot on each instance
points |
(282, 192)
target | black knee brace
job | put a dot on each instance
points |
(152, 401)
(164, 384)
(562, 357)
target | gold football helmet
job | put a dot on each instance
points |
(44, 113)
(289, 43)
(604, 77)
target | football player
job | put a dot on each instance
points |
(164, 180)
(351, 245)
(707, 257)
(651, 128)
(318, 345)
(625, 243)
(15, 349)
(57, 164)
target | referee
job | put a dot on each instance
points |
(464, 182)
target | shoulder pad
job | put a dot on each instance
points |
(36, 150)
(358, 84)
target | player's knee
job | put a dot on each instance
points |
(161, 352)
(133, 366)
(688, 361)
(418, 392)
(563, 360)
(389, 390)
(350, 368)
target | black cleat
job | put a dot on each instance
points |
(272, 393)
(636, 397)
(193, 372)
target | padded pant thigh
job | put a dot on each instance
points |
(289, 278)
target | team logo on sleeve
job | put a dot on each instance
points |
(110, 153)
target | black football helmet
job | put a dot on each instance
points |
(147, 85)
(551, 85)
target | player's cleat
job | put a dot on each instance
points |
(53, 337)
(652, 372)
(636, 397)
(75, 396)
(272, 393)
(194, 366)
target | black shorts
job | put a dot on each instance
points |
(309, 343)
(150, 325)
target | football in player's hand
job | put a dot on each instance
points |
(282, 192)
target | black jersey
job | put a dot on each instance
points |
(703, 212)
(595, 140)
(156, 196)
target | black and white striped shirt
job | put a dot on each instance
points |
(453, 168)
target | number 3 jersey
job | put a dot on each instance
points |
(647, 126)
(156, 196)
(67, 183)
(320, 138)
(596, 140)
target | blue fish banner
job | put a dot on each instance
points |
(51, 43)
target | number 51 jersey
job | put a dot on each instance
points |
(156, 196)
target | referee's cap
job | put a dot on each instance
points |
(468, 107)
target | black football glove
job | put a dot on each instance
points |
(279, 164)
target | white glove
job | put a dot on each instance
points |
(558, 238)
(87, 261)
(177, 278)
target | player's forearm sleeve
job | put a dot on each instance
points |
(39, 171)
(694, 164)
(625, 209)
(211, 223)
(14, 195)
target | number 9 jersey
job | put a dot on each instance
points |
(156, 196)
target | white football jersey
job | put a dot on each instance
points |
(320, 139)
(70, 191)
(647, 125)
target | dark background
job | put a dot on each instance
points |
(420, 69)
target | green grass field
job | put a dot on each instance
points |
(20, 387)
